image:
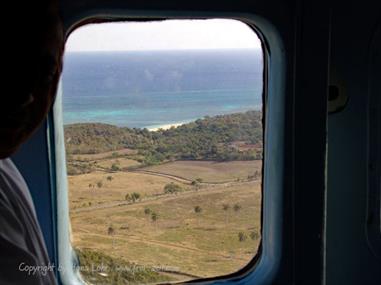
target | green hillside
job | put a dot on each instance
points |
(226, 137)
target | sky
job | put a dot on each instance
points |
(163, 35)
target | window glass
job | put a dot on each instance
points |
(163, 136)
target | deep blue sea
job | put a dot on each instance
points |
(153, 88)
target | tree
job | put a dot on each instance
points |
(197, 209)
(242, 236)
(237, 207)
(147, 211)
(154, 217)
(111, 232)
(254, 235)
(135, 196)
(226, 207)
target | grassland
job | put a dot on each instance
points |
(210, 171)
(182, 242)
(177, 204)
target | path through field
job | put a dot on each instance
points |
(204, 244)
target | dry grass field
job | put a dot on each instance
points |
(200, 231)
(210, 171)
(84, 188)
(119, 162)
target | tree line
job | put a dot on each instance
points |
(223, 138)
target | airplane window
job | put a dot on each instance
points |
(163, 136)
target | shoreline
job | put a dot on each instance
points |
(155, 128)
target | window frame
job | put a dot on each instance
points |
(265, 267)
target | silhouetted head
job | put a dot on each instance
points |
(32, 67)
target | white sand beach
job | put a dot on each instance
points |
(164, 127)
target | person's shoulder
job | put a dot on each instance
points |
(8, 168)
(6, 163)
(21, 240)
(12, 183)
(12, 198)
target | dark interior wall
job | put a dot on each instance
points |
(349, 259)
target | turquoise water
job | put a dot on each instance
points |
(146, 89)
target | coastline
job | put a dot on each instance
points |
(155, 128)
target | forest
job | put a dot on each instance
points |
(230, 137)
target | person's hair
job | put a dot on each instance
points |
(31, 68)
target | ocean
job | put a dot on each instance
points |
(148, 89)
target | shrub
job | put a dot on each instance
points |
(225, 207)
(99, 184)
(197, 209)
(172, 188)
(88, 260)
(237, 207)
(135, 196)
(254, 235)
(115, 167)
(242, 236)
(154, 216)
(147, 211)
(110, 230)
